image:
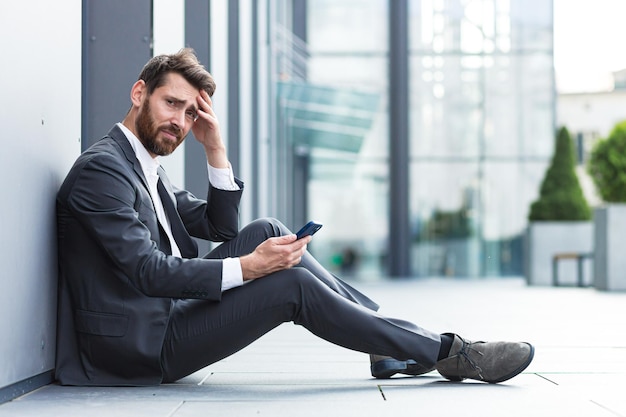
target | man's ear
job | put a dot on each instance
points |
(138, 93)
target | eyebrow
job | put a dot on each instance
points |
(182, 102)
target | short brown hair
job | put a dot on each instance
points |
(184, 62)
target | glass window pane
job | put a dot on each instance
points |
(446, 113)
(481, 130)
(348, 186)
(480, 26)
(363, 72)
(519, 101)
(351, 198)
(445, 215)
(347, 26)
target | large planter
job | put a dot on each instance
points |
(610, 243)
(545, 239)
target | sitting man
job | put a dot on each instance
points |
(137, 306)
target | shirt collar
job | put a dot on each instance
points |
(149, 165)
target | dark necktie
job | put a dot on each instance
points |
(188, 248)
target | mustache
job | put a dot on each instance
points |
(177, 131)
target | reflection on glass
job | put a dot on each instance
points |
(482, 117)
(481, 128)
(348, 185)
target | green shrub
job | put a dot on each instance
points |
(447, 225)
(560, 196)
(607, 165)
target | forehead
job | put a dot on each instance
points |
(178, 87)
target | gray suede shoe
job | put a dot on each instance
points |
(384, 367)
(485, 361)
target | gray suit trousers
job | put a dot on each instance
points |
(202, 332)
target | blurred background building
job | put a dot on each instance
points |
(479, 110)
(417, 131)
(590, 116)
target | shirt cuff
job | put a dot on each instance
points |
(222, 178)
(231, 273)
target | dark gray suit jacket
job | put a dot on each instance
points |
(116, 280)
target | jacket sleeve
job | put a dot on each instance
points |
(216, 219)
(114, 209)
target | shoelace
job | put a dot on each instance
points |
(465, 353)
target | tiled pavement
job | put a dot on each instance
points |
(579, 367)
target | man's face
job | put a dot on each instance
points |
(166, 116)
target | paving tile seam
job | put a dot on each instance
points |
(607, 409)
(577, 373)
(249, 400)
(177, 408)
(577, 392)
(547, 379)
(295, 384)
(571, 347)
(600, 405)
(382, 393)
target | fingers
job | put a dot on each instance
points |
(296, 250)
(205, 103)
(291, 242)
(285, 239)
(283, 251)
(274, 254)
(206, 128)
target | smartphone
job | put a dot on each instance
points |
(309, 229)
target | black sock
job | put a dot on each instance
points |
(446, 344)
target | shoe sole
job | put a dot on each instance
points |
(387, 368)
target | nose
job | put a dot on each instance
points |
(178, 119)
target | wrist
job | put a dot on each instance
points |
(216, 156)
(245, 262)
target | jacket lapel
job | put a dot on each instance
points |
(188, 247)
(120, 138)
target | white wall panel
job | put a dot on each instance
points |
(219, 62)
(40, 113)
(169, 37)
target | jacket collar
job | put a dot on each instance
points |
(122, 141)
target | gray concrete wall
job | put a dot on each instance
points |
(609, 241)
(40, 110)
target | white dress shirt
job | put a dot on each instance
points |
(221, 178)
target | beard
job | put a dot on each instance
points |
(148, 132)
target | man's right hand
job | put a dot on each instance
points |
(273, 255)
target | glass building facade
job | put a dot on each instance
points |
(480, 94)
(482, 122)
(416, 131)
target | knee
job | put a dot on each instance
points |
(301, 280)
(270, 226)
(296, 278)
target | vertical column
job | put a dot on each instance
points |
(112, 59)
(301, 157)
(233, 84)
(254, 111)
(399, 231)
(198, 37)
